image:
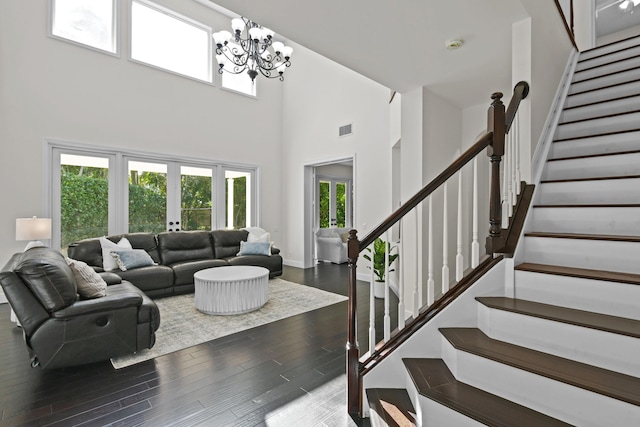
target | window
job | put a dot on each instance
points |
(90, 23)
(164, 39)
(98, 191)
(239, 82)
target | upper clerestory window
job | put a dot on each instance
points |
(164, 39)
(88, 23)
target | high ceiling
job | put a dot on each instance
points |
(401, 44)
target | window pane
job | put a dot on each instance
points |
(341, 204)
(86, 22)
(168, 42)
(324, 212)
(84, 198)
(238, 199)
(147, 197)
(196, 205)
(239, 82)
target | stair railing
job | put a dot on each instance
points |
(500, 143)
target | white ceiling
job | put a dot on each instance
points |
(401, 43)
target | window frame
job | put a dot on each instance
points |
(115, 30)
(185, 19)
(118, 188)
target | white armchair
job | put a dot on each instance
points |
(331, 245)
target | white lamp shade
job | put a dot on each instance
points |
(237, 24)
(277, 46)
(287, 51)
(33, 228)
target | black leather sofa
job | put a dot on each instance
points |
(178, 254)
(60, 329)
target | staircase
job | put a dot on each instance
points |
(563, 346)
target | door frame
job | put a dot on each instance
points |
(309, 201)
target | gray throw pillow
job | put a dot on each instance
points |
(132, 258)
(255, 248)
(88, 282)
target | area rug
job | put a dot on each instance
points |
(182, 325)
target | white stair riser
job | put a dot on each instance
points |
(607, 54)
(598, 82)
(571, 404)
(580, 253)
(632, 88)
(593, 347)
(599, 296)
(623, 105)
(414, 395)
(598, 126)
(627, 191)
(599, 220)
(593, 167)
(614, 67)
(436, 415)
(597, 145)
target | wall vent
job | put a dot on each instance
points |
(345, 130)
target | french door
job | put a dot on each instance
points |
(333, 202)
(101, 192)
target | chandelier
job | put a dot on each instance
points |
(251, 48)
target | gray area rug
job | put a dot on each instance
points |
(182, 325)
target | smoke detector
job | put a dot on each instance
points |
(454, 44)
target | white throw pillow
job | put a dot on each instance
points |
(265, 238)
(88, 282)
(109, 262)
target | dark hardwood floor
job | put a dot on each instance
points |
(286, 373)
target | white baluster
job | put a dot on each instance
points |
(512, 170)
(475, 245)
(372, 308)
(416, 294)
(401, 321)
(509, 157)
(445, 244)
(431, 284)
(505, 185)
(459, 256)
(516, 134)
(387, 316)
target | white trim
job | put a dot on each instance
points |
(115, 30)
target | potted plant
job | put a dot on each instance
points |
(379, 267)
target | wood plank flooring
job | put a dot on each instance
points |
(286, 373)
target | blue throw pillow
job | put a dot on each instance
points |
(132, 258)
(255, 248)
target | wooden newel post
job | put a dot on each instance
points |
(495, 151)
(354, 387)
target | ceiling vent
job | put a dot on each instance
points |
(345, 130)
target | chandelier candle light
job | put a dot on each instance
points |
(251, 48)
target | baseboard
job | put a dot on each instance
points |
(290, 263)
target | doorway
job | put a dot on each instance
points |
(329, 200)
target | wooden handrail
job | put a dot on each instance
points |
(482, 143)
(569, 26)
(520, 92)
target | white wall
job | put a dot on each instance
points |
(53, 89)
(319, 96)
(626, 33)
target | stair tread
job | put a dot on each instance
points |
(617, 61)
(595, 135)
(587, 319)
(393, 406)
(598, 380)
(581, 236)
(582, 273)
(595, 178)
(434, 380)
(602, 47)
(604, 116)
(603, 87)
(592, 205)
(591, 156)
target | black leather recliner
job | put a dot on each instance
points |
(62, 330)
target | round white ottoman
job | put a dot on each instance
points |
(233, 289)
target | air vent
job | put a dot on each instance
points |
(345, 130)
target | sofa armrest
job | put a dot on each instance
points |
(330, 241)
(274, 250)
(107, 303)
(111, 278)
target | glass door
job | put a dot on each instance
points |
(333, 203)
(168, 196)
